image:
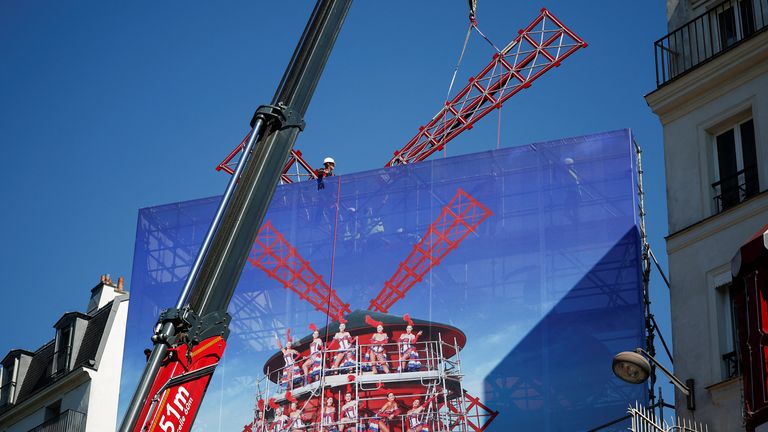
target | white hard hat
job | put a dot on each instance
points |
(329, 160)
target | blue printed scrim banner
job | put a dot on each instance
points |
(547, 288)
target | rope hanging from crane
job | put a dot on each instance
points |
(472, 26)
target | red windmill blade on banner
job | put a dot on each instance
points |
(273, 254)
(460, 217)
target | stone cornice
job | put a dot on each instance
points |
(699, 231)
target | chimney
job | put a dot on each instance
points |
(104, 292)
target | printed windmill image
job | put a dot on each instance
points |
(366, 361)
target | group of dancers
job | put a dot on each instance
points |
(346, 418)
(343, 351)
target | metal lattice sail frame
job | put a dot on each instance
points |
(538, 48)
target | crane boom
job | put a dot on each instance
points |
(190, 338)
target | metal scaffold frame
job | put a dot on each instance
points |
(438, 382)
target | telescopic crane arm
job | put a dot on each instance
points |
(190, 338)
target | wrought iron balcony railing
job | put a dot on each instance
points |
(734, 189)
(710, 34)
(68, 421)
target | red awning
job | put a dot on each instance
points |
(752, 250)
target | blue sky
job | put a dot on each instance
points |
(106, 108)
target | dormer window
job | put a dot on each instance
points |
(8, 381)
(63, 353)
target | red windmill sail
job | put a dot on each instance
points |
(277, 258)
(460, 217)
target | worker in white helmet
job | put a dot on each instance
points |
(326, 171)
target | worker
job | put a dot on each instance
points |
(326, 171)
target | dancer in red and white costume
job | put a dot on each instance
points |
(387, 412)
(280, 422)
(346, 354)
(291, 371)
(409, 355)
(348, 420)
(296, 423)
(313, 365)
(415, 417)
(378, 343)
(328, 420)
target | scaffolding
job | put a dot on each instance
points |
(435, 378)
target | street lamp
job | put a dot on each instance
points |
(634, 367)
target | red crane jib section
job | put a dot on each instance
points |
(273, 254)
(295, 159)
(460, 217)
(180, 386)
(541, 46)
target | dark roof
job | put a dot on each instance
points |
(89, 346)
(38, 373)
(15, 353)
(69, 315)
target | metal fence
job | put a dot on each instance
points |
(644, 420)
(715, 31)
(68, 421)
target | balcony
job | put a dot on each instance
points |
(707, 36)
(68, 421)
(735, 189)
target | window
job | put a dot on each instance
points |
(735, 165)
(735, 22)
(727, 325)
(8, 383)
(63, 350)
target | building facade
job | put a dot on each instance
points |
(712, 101)
(71, 383)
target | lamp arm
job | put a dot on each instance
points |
(675, 381)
